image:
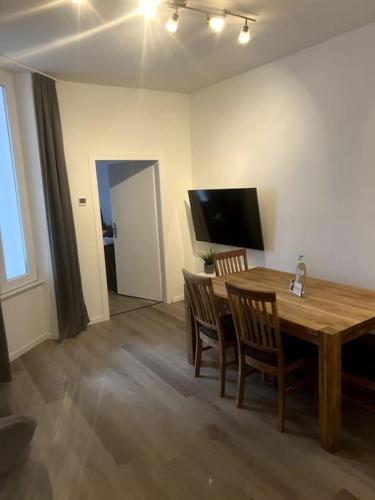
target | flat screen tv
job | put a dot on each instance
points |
(227, 216)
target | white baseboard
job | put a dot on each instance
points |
(178, 298)
(27, 347)
(98, 319)
(38, 340)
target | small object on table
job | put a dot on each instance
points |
(296, 288)
(208, 260)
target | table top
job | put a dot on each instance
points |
(334, 308)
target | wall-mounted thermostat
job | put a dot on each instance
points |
(82, 201)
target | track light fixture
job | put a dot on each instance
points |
(148, 8)
(172, 22)
(215, 17)
(244, 36)
(216, 23)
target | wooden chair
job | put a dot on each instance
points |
(230, 262)
(261, 344)
(358, 375)
(215, 330)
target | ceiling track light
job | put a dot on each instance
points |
(148, 8)
(215, 17)
(245, 35)
(172, 23)
(216, 23)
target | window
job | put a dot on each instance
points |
(15, 269)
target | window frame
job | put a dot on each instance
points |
(10, 285)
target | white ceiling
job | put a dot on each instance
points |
(107, 44)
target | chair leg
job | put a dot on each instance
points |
(198, 356)
(223, 368)
(241, 381)
(281, 403)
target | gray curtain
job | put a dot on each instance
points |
(71, 309)
(4, 357)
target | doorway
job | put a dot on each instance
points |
(130, 224)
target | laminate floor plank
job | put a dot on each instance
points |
(120, 304)
(121, 417)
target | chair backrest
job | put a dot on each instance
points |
(230, 262)
(202, 300)
(256, 319)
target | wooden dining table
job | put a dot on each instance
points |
(328, 315)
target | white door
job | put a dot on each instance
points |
(136, 235)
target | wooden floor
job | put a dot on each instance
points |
(121, 417)
(119, 304)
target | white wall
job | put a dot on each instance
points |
(301, 130)
(30, 313)
(138, 125)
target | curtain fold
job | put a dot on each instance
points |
(71, 308)
(5, 374)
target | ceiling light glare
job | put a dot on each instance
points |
(148, 8)
(216, 23)
(77, 2)
(172, 23)
(244, 36)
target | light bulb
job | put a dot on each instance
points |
(244, 36)
(172, 23)
(216, 23)
(148, 7)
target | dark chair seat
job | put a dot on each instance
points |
(294, 349)
(228, 329)
(358, 364)
(359, 359)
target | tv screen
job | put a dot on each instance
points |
(227, 216)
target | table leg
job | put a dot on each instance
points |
(190, 329)
(330, 389)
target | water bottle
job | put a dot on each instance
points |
(301, 272)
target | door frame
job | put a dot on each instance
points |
(124, 156)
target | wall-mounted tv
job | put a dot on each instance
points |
(227, 216)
